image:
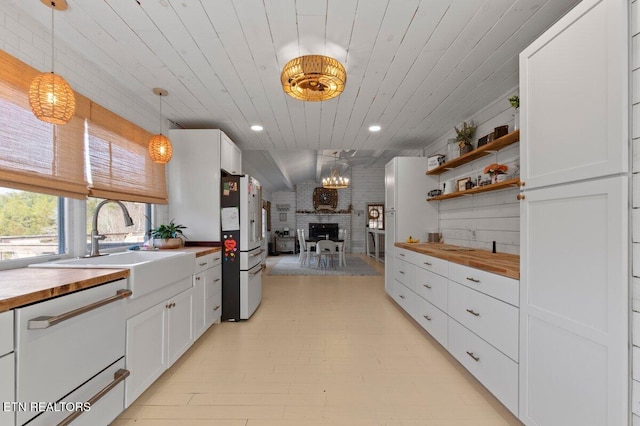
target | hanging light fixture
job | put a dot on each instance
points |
(160, 148)
(335, 181)
(313, 78)
(50, 96)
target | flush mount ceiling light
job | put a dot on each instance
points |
(160, 148)
(374, 128)
(257, 128)
(50, 96)
(335, 181)
(313, 78)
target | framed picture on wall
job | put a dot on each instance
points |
(462, 183)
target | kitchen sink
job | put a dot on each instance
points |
(148, 270)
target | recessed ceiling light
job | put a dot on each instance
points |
(257, 128)
(374, 128)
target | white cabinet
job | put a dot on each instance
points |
(574, 220)
(7, 366)
(230, 156)
(193, 181)
(207, 287)
(390, 186)
(156, 338)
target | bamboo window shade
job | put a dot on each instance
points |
(119, 160)
(34, 155)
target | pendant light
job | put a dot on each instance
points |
(50, 96)
(335, 181)
(160, 148)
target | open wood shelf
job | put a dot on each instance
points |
(479, 189)
(487, 149)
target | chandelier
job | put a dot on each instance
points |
(313, 78)
(335, 181)
(160, 149)
(51, 98)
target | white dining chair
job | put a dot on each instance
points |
(342, 235)
(302, 257)
(326, 250)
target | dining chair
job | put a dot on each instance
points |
(302, 257)
(342, 235)
(326, 249)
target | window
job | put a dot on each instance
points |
(31, 224)
(111, 223)
(375, 216)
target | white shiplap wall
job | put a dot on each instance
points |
(478, 220)
(635, 211)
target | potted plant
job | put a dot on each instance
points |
(464, 136)
(515, 103)
(494, 170)
(168, 236)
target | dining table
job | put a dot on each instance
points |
(311, 242)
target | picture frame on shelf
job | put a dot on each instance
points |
(461, 184)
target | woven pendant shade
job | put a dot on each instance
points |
(313, 78)
(160, 149)
(52, 99)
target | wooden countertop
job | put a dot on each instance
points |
(497, 263)
(19, 287)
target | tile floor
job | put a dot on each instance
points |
(318, 351)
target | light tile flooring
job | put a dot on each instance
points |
(318, 351)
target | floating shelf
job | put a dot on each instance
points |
(478, 190)
(484, 150)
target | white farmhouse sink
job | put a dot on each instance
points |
(149, 270)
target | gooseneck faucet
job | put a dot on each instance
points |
(95, 236)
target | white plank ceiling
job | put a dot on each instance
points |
(417, 68)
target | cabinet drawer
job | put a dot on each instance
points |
(404, 273)
(403, 254)
(498, 286)
(432, 319)
(204, 262)
(404, 297)
(430, 263)
(493, 320)
(216, 282)
(432, 287)
(213, 308)
(6, 332)
(491, 367)
(7, 385)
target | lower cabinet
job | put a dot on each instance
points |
(207, 300)
(156, 338)
(7, 385)
(472, 313)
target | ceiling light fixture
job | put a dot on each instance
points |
(160, 148)
(50, 96)
(374, 128)
(257, 128)
(335, 181)
(313, 78)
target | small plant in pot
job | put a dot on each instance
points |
(168, 236)
(464, 136)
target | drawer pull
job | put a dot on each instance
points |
(402, 272)
(473, 280)
(216, 258)
(427, 317)
(216, 308)
(472, 312)
(427, 263)
(216, 280)
(427, 286)
(401, 296)
(402, 254)
(48, 321)
(257, 253)
(202, 264)
(475, 358)
(118, 377)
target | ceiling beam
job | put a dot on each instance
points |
(281, 167)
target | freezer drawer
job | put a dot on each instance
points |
(250, 291)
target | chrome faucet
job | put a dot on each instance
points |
(95, 236)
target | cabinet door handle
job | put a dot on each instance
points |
(197, 278)
(475, 358)
(474, 313)
(427, 263)
(216, 308)
(520, 197)
(118, 377)
(473, 280)
(427, 317)
(216, 280)
(48, 321)
(427, 286)
(401, 296)
(202, 264)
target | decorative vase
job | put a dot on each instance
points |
(516, 119)
(466, 148)
(167, 243)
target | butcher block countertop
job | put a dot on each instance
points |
(497, 263)
(23, 286)
(19, 287)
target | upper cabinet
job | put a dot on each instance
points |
(574, 87)
(390, 186)
(230, 156)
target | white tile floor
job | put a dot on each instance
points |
(318, 351)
